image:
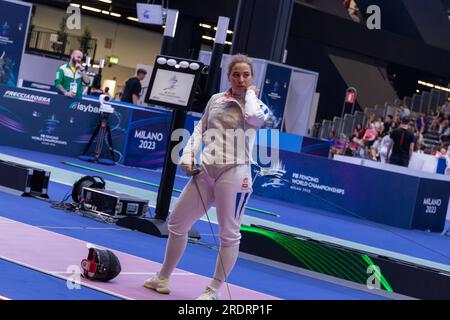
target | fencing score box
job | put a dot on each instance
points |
(173, 82)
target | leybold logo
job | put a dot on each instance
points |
(26, 97)
(84, 108)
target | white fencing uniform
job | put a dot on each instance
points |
(226, 175)
(225, 179)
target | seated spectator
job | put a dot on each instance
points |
(437, 117)
(441, 153)
(444, 136)
(380, 148)
(370, 135)
(340, 145)
(358, 131)
(378, 124)
(422, 123)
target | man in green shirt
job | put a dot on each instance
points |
(71, 76)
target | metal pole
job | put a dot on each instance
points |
(178, 119)
(216, 56)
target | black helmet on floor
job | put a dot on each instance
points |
(101, 265)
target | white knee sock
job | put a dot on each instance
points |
(228, 255)
(174, 250)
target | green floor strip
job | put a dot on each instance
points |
(76, 165)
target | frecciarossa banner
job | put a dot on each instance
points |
(46, 122)
(358, 191)
(52, 123)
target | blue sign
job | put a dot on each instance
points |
(274, 93)
(14, 19)
(52, 123)
(377, 195)
(147, 139)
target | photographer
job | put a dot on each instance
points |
(71, 76)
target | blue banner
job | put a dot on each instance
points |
(147, 139)
(358, 191)
(55, 124)
(14, 19)
(274, 93)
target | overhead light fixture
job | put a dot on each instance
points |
(208, 38)
(133, 19)
(105, 1)
(427, 84)
(206, 26)
(105, 12)
(115, 14)
(228, 43)
(90, 8)
(76, 5)
(228, 31)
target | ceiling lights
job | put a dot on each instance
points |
(435, 86)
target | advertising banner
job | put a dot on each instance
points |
(274, 93)
(147, 139)
(358, 191)
(14, 19)
(54, 124)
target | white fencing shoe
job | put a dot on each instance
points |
(158, 284)
(209, 294)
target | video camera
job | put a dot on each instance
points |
(104, 106)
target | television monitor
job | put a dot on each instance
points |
(149, 13)
(173, 82)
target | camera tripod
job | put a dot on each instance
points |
(101, 132)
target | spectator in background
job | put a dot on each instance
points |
(422, 123)
(446, 107)
(106, 91)
(441, 153)
(378, 124)
(133, 87)
(340, 145)
(370, 135)
(358, 131)
(380, 148)
(445, 133)
(387, 124)
(402, 145)
(404, 111)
